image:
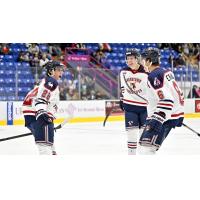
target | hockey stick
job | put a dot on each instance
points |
(27, 134)
(108, 114)
(132, 89)
(198, 134)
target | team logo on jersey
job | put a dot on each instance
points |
(134, 87)
(132, 84)
(156, 82)
(50, 84)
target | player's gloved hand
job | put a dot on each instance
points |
(121, 105)
(156, 122)
(44, 118)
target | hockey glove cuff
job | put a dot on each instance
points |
(156, 122)
(43, 118)
(159, 116)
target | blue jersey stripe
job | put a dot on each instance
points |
(166, 100)
(164, 108)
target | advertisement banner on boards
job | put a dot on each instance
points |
(9, 113)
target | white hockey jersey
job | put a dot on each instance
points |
(44, 97)
(28, 107)
(133, 86)
(164, 94)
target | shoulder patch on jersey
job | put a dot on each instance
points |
(50, 83)
(156, 78)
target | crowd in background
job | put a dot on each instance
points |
(188, 53)
(195, 92)
(79, 86)
(83, 87)
(37, 58)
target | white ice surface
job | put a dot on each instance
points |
(94, 139)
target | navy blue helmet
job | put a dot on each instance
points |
(152, 55)
(133, 52)
(52, 65)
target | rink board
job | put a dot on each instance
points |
(83, 111)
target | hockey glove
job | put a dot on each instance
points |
(121, 105)
(44, 118)
(156, 122)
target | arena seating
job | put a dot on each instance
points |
(16, 78)
(115, 59)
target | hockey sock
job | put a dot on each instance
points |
(132, 140)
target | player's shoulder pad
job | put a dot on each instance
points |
(156, 78)
(50, 83)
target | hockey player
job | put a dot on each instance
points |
(165, 104)
(39, 108)
(133, 82)
(28, 109)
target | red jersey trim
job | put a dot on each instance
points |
(177, 115)
(29, 111)
(163, 104)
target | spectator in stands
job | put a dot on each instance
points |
(63, 94)
(180, 61)
(176, 47)
(62, 59)
(23, 57)
(105, 47)
(163, 45)
(90, 83)
(55, 50)
(99, 57)
(195, 92)
(92, 95)
(194, 54)
(84, 89)
(71, 90)
(1, 48)
(5, 48)
(99, 95)
(43, 60)
(35, 60)
(35, 67)
(78, 45)
(186, 49)
(33, 48)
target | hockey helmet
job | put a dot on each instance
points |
(52, 65)
(152, 55)
(133, 52)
